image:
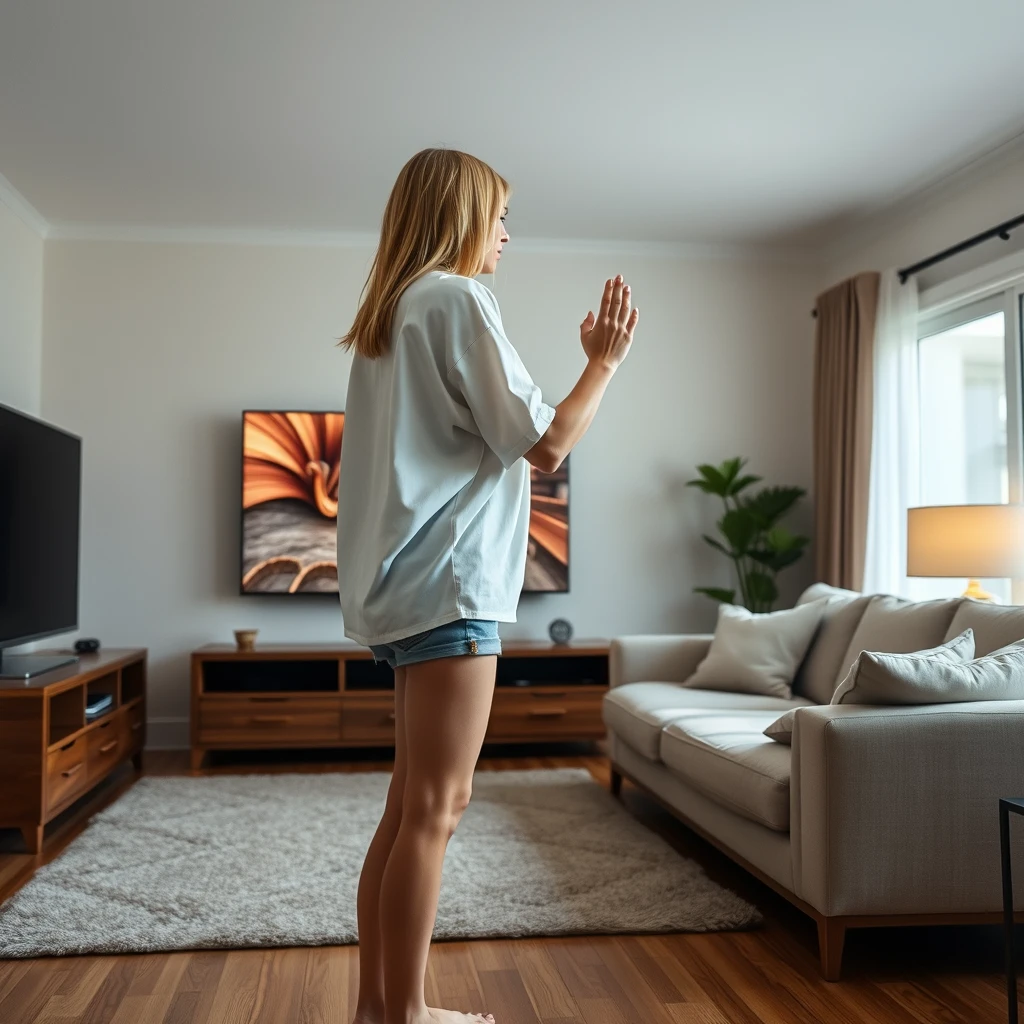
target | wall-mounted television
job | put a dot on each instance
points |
(291, 461)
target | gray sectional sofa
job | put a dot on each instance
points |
(876, 815)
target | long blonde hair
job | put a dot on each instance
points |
(440, 216)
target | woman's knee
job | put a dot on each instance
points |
(437, 807)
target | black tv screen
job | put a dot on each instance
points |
(290, 467)
(40, 493)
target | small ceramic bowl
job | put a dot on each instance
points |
(246, 639)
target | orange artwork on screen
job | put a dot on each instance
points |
(290, 468)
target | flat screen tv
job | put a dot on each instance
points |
(40, 486)
(290, 467)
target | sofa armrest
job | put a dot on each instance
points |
(894, 810)
(668, 658)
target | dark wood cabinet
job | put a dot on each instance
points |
(279, 696)
(50, 753)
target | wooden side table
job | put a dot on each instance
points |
(1008, 806)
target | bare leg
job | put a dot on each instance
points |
(370, 1002)
(447, 705)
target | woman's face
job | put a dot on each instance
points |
(499, 236)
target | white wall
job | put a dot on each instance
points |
(21, 309)
(152, 350)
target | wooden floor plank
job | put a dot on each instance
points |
(325, 988)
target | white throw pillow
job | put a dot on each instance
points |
(758, 653)
(949, 678)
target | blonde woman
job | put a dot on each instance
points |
(442, 423)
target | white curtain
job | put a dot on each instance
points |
(895, 438)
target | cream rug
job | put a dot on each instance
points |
(273, 860)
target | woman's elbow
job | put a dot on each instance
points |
(543, 457)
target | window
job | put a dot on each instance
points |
(968, 363)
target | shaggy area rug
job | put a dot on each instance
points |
(238, 861)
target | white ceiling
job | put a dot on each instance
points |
(755, 121)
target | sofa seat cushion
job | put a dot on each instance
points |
(637, 712)
(728, 758)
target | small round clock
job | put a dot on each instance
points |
(560, 631)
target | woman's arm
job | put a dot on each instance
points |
(606, 340)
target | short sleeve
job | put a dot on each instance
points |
(505, 402)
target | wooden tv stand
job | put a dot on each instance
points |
(281, 696)
(50, 756)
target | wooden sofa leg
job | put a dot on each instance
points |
(616, 786)
(831, 936)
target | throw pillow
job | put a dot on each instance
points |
(941, 675)
(781, 730)
(758, 653)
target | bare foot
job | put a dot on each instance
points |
(437, 1016)
(454, 1017)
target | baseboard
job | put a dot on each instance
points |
(167, 734)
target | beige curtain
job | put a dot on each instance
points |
(843, 385)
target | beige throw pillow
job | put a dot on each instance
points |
(942, 675)
(758, 653)
(781, 730)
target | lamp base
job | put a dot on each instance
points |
(976, 593)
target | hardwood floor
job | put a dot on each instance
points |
(767, 975)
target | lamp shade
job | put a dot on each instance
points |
(973, 541)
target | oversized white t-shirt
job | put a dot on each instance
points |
(434, 495)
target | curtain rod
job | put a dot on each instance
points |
(999, 231)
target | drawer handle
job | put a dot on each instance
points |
(107, 747)
(392, 717)
(107, 724)
(270, 719)
(68, 746)
(136, 725)
(547, 712)
(73, 770)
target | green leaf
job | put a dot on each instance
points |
(761, 589)
(739, 528)
(742, 484)
(771, 504)
(717, 594)
(711, 481)
(730, 469)
(718, 546)
(775, 560)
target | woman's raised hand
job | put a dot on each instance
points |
(607, 337)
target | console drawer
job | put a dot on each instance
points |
(540, 714)
(265, 721)
(369, 721)
(133, 728)
(66, 774)
(105, 747)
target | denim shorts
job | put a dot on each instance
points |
(464, 636)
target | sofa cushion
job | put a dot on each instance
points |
(994, 625)
(758, 653)
(816, 678)
(637, 712)
(892, 625)
(728, 758)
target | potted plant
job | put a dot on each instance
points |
(752, 538)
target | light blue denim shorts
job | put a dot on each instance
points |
(464, 636)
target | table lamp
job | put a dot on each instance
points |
(975, 541)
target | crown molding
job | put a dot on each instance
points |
(23, 209)
(898, 211)
(200, 235)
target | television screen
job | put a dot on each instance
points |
(290, 467)
(40, 485)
